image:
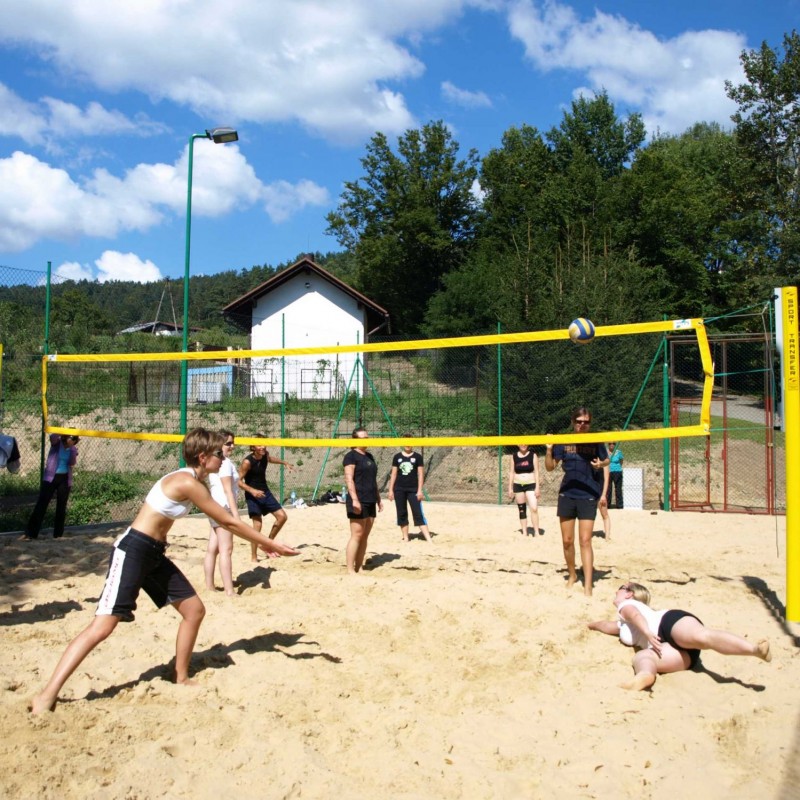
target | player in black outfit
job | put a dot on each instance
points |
(405, 488)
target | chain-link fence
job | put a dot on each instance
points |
(492, 390)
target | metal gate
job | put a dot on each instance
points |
(740, 466)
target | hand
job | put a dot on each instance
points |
(655, 643)
(549, 448)
(257, 493)
(596, 463)
(357, 506)
(420, 496)
(603, 501)
(276, 549)
(391, 496)
(380, 504)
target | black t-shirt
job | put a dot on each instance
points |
(581, 480)
(407, 465)
(365, 475)
(256, 476)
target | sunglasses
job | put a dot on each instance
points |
(624, 589)
(228, 444)
(583, 422)
(218, 454)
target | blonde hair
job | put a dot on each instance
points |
(640, 593)
(200, 440)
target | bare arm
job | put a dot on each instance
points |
(192, 489)
(392, 479)
(349, 472)
(511, 476)
(603, 499)
(605, 626)
(420, 482)
(549, 461)
(227, 487)
(243, 470)
(536, 475)
(271, 460)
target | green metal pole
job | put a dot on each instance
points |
(46, 351)
(499, 419)
(666, 442)
(186, 263)
(283, 399)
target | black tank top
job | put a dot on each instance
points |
(523, 464)
(256, 476)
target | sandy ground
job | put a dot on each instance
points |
(459, 669)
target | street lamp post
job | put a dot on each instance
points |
(218, 136)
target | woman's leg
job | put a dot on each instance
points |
(192, 612)
(519, 499)
(402, 512)
(568, 543)
(418, 516)
(225, 544)
(253, 546)
(62, 495)
(690, 633)
(357, 533)
(280, 521)
(361, 553)
(99, 629)
(646, 665)
(46, 490)
(585, 530)
(533, 507)
(210, 560)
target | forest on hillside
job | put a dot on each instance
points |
(591, 218)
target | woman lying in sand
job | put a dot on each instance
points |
(667, 641)
(138, 561)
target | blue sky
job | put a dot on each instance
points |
(98, 100)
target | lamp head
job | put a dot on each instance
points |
(223, 135)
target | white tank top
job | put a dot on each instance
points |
(158, 501)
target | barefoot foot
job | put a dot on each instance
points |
(644, 680)
(762, 650)
(41, 704)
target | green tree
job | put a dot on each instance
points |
(768, 132)
(409, 221)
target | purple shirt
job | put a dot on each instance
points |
(51, 466)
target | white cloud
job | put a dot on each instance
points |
(115, 266)
(283, 199)
(328, 65)
(673, 82)
(38, 201)
(465, 98)
(50, 120)
(73, 271)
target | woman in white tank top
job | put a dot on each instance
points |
(224, 487)
(138, 561)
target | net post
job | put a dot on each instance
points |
(499, 418)
(791, 416)
(666, 418)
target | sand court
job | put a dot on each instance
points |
(458, 669)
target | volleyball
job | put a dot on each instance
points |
(581, 330)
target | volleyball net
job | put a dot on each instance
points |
(492, 390)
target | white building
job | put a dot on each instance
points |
(305, 306)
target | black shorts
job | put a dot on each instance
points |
(521, 488)
(259, 506)
(665, 632)
(576, 507)
(138, 562)
(368, 510)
